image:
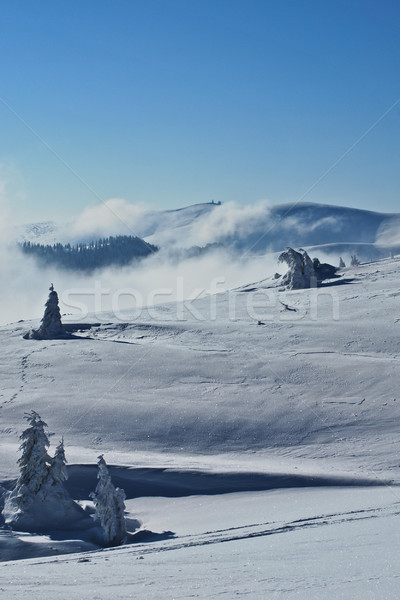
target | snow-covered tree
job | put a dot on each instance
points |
(110, 506)
(57, 471)
(39, 501)
(51, 326)
(301, 273)
(354, 260)
(34, 462)
(342, 264)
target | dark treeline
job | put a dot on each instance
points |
(120, 250)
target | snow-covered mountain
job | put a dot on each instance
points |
(45, 232)
(252, 230)
(255, 433)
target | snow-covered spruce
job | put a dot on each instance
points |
(39, 501)
(110, 507)
(301, 273)
(57, 471)
(51, 326)
(34, 466)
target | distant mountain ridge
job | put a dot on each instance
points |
(248, 229)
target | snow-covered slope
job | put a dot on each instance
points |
(204, 374)
(154, 223)
(302, 544)
(259, 426)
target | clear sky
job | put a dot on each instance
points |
(173, 102)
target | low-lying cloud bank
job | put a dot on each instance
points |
(114, 217)
(158, 279)
(247, 228)
(196, 225)
(255, 228)
(166, 276)
(155, 280)
(249, 236)
(389, 233)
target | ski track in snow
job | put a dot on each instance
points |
(247, 532)
(237, 533)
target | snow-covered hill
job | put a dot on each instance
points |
(184, 375)
(258, 426)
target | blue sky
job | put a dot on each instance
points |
(173, 102)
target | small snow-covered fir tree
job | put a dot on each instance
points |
(57, 472)
(354, 260)
(342, 264)
(301, 273)
(51, 325)
(110, 506)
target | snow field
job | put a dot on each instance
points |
(313, 393)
